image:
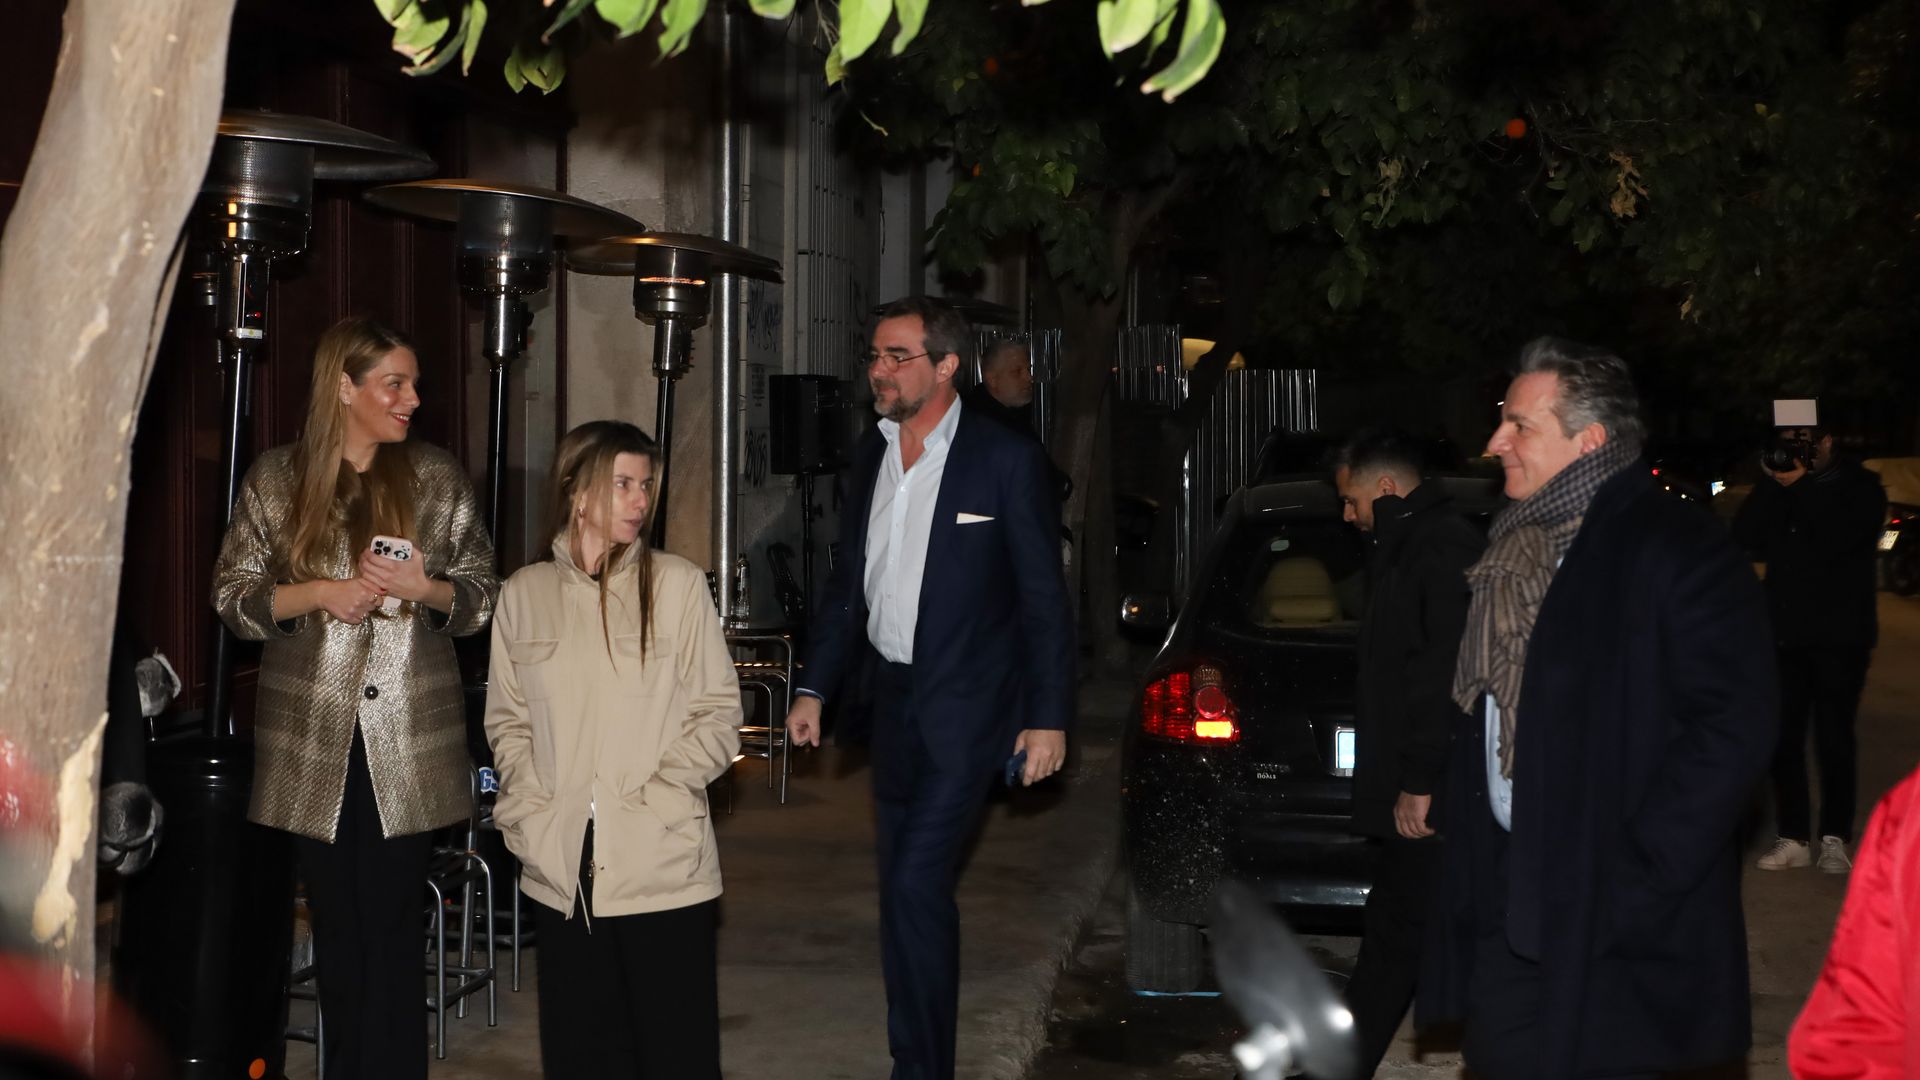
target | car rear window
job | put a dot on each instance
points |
(1294, 577)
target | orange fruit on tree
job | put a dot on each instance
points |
(1516, 128)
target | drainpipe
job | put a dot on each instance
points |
(726, 353)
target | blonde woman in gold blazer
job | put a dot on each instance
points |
(612, 705)
(359, 736)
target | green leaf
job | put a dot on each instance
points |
(772, 9)
(911, 14)
(1200, 40)
(477, 22)
(1125, 23)
(860, 24)
(456, 45)
(1162, 25)
(836, 67)
(390, 10)
(677, 24)
(627, 17)
(415, 34)
(516, 79)
(541, 66)
(568, 13)
(1336, 293)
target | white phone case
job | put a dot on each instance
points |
(392, 547)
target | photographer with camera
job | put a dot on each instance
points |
(1814, 519)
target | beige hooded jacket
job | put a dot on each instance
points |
(581, 726)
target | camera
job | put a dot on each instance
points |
(1788, 451)
(1796, 435)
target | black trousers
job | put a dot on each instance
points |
(926, 811)
(1821, 687)
(628, 995)
(1502, 1040)
(367, 895)
(1406, 878)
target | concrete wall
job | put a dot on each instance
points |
(644, 146)
(847, 238)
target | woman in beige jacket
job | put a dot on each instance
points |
(359, 731)
(613, 704)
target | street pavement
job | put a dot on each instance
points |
(800, 989)
(1102, 1032)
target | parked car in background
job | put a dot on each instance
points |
(1240, 761)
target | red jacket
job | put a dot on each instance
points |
(1863, 1019)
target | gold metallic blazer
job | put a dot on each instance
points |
(395, 675)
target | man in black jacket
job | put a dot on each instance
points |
(1408, 641)
(1815, 524)
(1618, 669)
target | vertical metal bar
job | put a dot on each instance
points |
(726, 353)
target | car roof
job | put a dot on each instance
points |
(1302, 496)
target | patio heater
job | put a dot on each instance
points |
(672, 279)
(256, 206)
(506, 241)
(205, 931)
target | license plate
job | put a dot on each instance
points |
(1344, 743)
(1888, 539)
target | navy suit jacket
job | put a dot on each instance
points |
(994, 647)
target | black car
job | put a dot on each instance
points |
(1240, 763)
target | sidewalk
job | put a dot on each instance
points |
(800, 990)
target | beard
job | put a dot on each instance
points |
(902, 409)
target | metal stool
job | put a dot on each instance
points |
(764, 741)
(461, 868)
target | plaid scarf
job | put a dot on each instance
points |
(1528, 540)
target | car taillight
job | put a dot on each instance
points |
(1190, 707)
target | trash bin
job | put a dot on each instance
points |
(205, 932)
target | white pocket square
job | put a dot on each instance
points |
(970, 519)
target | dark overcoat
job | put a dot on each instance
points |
(1405, 713)
(1647, 716)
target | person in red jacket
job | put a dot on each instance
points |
(1862, 1021)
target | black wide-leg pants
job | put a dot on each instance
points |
(367, 897)
(628, 995)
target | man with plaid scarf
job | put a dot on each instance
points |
(1617, 670)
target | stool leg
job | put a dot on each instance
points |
(466, 943)
(516, 932)
(439, 973)
(493, 967)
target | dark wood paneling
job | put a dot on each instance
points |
(33, 40)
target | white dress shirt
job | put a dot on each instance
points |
(1499, 788)
(898, 526)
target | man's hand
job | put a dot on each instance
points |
(803, 721)
(1410, 815)
(1046, 752)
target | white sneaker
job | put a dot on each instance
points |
(1833, 856)
(1786, 854)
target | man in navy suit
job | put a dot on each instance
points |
(951, 575)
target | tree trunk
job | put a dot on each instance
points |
(86, 271)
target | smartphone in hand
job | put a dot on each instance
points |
(392, 547)
(1015, 766)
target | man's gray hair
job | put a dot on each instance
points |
(1595, 387)
(1004, 353)
(944, 329)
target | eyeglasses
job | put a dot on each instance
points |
(893, 362)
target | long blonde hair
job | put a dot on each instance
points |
(330, 497)
(583, 465)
